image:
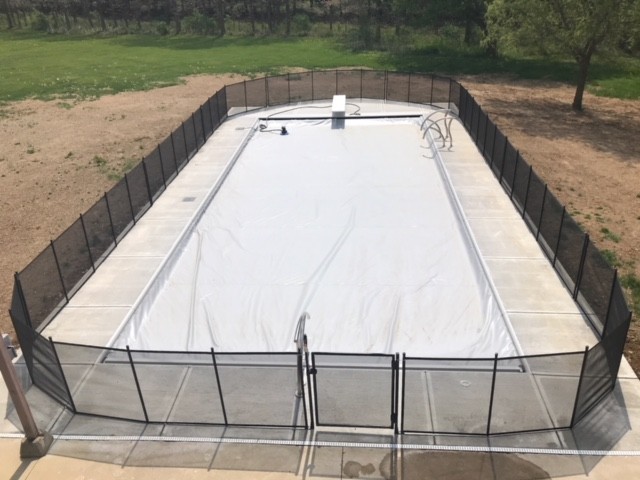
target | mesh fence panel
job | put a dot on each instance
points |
(482, 130)
(349, 83)
(138, 190)
(180, 146)
(100, 386)
(595, 287)
(475, 120)
(520, 183)
(256, 94)
(440, 92)
(169, 166)
(223, 104)
(464, 107)
(324, 85)
(260, 389)
(373, 84)
(509, 166)
(45, 370)
(618, 311)
(214, 108)
(198, 128)
(397, 87)
(596, 380)
(155, 175)
(300, 87)
(73, 256)
(534, 201)
(279, 89)
(455, 92)
(353, 390)
(420, 89)
(535, 393)
(235, 100)
(447, 396)
(550, 223)
(120, 208)
(497, 153)
(190, 131)
(490, 138)
(569, 252)
(98, 228)
(205, 109)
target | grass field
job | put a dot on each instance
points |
(46, 66)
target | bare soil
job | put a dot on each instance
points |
(58, 157)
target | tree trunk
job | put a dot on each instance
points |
(253, 17)
(287, 12)
(584, 61)
(220, 18)
(7, 10)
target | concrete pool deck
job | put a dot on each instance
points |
(542, 313)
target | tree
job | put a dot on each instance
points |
(574, 27)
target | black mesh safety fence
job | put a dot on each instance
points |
(138, 190)
(349, 83)
(447, 396)
(191, 136)
(99, 231)
(73, 257)
(398, 87)
(154, 173)
(158, 389)
(256, 93)
(420, 89)
(279, 92)
(354, 390)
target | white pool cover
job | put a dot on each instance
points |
(354, 226)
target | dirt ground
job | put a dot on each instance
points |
(58, 157)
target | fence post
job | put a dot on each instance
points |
(404, 376)
(493, 389)
(544, 197)
(164, 178)
(515, 174)
(184, 138)
(146, 179)
(526, 193)
(310, 371)
(23, 300)
(585, 246)
(55, 257)
(609, 305)
(64, 377)
(195, 130)
(126, 182)
(113, 230)
(575, 403)
(336, 82)
(449, 102)
(204, 129)
(555, 251)
(246, 107)
(486, 134)
(135, 378)
(504, 158)
(86, 239)
(397, 396)
(173, 149)
(215, 368)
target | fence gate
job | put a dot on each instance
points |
(355, 390)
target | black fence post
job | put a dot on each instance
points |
(173, 149)
(486, 134)
(526, 193)
(64, 377)
(404, 389)
(289, 87)
(609, 305)
(135, 378)
(23, 300)
(504, 158)
(266, 91)
(195, 130)
(312, 405)
(493, 145)
(449, 102)
(86, 239)
(184, 138)
(555, 250)
(544, 197)
(146, 179)
(113, 230)
(126, 182)
(215, 368)
(204, 129)
(575, 403)
(515, 174)
(397, 396)
(493, 389)
(585, 246)
(246, 106)
(300, 391)
(55, 257)
(164, 178)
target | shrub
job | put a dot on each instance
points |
(40, 22)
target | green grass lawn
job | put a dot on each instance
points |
(44, 66)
